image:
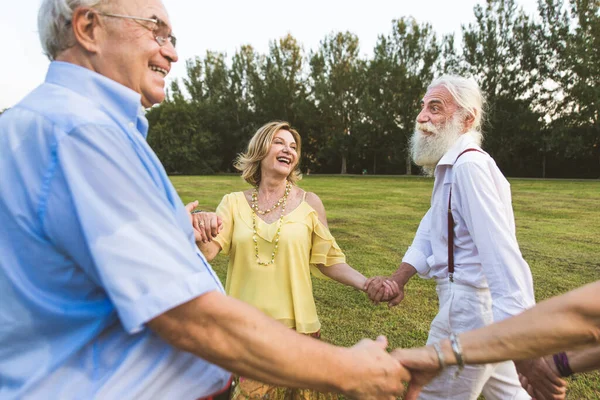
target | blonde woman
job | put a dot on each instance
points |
(274, 234)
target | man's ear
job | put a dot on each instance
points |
(84, 24)
(469, 121)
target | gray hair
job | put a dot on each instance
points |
(467, 95)
(54, 24)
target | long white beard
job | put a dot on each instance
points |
(428, 149)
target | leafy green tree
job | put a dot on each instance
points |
(402, 66)
(336, 89)
(499, 51)
(570, 38)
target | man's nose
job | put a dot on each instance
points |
(169, 52)
(422, 117)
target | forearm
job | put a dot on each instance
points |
(403, 274)
(345, 274)
(561, 323)
(231, 334)
(209, 249)
(584, 360)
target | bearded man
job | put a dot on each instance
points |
(492, 281)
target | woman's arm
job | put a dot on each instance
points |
(345, 274)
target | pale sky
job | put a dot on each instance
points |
(227, 24)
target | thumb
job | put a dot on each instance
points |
(190, 206)
(396, 300)
(413, 392)
(382, 341)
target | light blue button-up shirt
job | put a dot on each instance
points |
(94, 242)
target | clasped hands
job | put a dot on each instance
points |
(206, 225)
(383, 289)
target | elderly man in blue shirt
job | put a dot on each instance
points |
(104, 292)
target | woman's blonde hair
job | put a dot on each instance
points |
(248, 163)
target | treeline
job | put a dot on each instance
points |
(541, 76)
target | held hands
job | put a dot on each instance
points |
(207, 225)
(380, 288)
(541, 379)
(423, 365)
(379, 376)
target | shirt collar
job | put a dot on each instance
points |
(465, 141)
(122, 103)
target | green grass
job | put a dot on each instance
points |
(374, 220)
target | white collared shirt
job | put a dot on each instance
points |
(486, 252)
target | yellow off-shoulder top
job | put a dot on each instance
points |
(282, 290)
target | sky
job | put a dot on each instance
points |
(225, 25)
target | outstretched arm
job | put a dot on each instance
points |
(238, 337)
(564, 322)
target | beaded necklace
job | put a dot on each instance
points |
(282, 202)
(288, 187)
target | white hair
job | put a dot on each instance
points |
(54, 24)
(467, 95)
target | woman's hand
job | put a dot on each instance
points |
(207, 225)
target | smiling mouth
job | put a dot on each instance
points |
(284, 160)
(161, 71)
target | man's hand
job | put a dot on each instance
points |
(207, 225)
(380, 288)
(380, 375)
(423, 365)
(541, 379)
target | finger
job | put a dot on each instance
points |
(201, 228)
(219, 224)
(214, 226)
(373, 288)
(413, 392)
(368, 283)
(207, 229)
(395, 287)
(382, 341)
(380, 294)
(396, 300)
(523, 380)
(388, 294)
(545, 391)
(190, 206)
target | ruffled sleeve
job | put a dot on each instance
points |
(325, 249)
(225, 211)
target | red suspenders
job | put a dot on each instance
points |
(451, 226)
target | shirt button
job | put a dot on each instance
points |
(131, 125)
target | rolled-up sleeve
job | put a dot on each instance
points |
(420, 249)
(140, 245)
(487, 219)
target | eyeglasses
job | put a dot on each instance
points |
(161, 31)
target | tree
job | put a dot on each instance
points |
(500, 53)
(402, 66)
(570, 38)
(334, 72)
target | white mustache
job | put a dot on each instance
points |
(427, 127)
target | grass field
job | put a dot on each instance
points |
(374, 220)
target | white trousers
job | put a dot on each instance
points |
(463, 308)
